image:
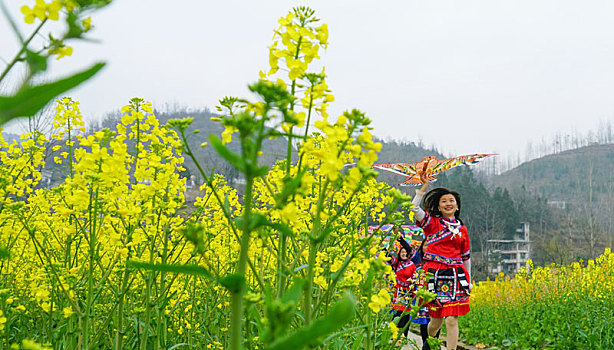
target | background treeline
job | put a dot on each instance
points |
(548, 145)
(567, 196)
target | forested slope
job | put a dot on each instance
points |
(566, 176)
(568, 198)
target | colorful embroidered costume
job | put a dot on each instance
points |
(404, 291)
(405, 272)
(445, 258)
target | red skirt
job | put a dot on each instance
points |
(451, 287)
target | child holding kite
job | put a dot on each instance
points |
(447, 258)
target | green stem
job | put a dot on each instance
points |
(236, 315)
(11, 21)
(311, 261)
(368, 332)
(162, 319)
(119, 334)
(145, 332)
(281, 252)
(70, 166)
(90, 272)
(138, 139)
(21, 51)
(225, 210)
(151, 277)
(300, 160)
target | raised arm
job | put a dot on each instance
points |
(419, 213)
(405, 245)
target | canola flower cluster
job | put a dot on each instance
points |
(69, 245)
(94, 262)
(44, 11)
(557, 307)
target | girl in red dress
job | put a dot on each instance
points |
(405, 273)
(447, 258)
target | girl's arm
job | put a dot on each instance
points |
(466, 256)
(467, 264)
(419, 213)
(405, 245)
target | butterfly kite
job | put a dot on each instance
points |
(429, 166)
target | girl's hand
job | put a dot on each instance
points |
(425, 182)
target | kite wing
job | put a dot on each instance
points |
(404, 169)
(430, 166)
(449, 163)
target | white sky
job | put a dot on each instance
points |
(465, 76)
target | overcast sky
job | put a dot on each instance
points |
(465, 76)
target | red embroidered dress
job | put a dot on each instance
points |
(447, 248)
(405, 272)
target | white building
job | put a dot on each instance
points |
(508, 256)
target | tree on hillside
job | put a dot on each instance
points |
(588, 226)
(533, 208)
(607, 205)
(505, 211)
(477, 211)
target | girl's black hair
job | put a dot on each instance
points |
(431, 202)
(421, 249)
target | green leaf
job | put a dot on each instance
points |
(233, 282)
(37, 63)
(280, 312)
(4, 253)
(189, 269)
(324, 233)
(294, 292)
(291, 184)
(74, 27)
(358, 341)
(340, 314)
(260, 171)
(259, 220)
(30, 99)
(232, 158)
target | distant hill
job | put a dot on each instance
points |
(568, 198)
(274, 150)
(8, 137)
(566, 176)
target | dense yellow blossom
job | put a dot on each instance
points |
(77, 249)
(536, 296)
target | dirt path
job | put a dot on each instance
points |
(416, 337)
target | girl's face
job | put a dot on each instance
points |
(447, 205)
(403, 254)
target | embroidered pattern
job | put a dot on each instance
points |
(438, 236)
(424, 222)
(466, 255)
(447, 288)
(442, 259)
